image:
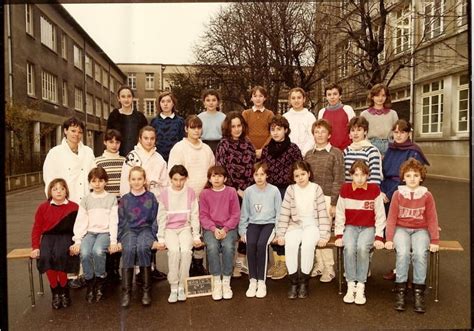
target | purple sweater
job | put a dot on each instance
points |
(279, 168)
(219, 209)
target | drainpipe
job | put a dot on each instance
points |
(84, 90)
(10, 78)
(412, 67)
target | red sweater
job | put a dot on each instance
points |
(48, 216)
(413, 210)
(360, 207)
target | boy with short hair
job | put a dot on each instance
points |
(412, 229)
(258, 120)
(327, 165)
(338, 115)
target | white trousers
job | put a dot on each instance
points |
(179, 243)
(308, 237)
(325, 256)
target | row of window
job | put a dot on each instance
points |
(49, 92)
(48, 35)
(149, 104)
(149, 81)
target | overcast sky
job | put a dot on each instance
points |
(145, 33)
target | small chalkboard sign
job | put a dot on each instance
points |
(198, 286)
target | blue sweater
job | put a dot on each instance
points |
(169, 131)
(137, 213)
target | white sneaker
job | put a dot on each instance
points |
(173, 296)
(359, 294)
(316, 272)
(252, 290)
(244, 269)
(217, 290)
(327, 275)
(261, 289)
(237, 269)
(181, 294)
(350, 295)
(226, 289)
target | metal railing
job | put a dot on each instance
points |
(21, 181)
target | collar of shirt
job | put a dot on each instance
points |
(260, 110)
(355, 187)
(65, 202)
(165, 116)
(327, 148)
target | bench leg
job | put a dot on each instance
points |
(436, 275)
(32, 285)
(431, 271)
(339, 268)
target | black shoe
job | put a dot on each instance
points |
(303, 286)
(293, 291)
(127, 277)
(419, 293)
(90, 283)
(146, 297)
(197, 268)
(78, 282)
(158, 275)
(99, 288)
(56, 299)
(400, 294)
(65, 297)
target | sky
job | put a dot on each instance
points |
(145, 32)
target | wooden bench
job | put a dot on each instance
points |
(433, 272)
(24, 253)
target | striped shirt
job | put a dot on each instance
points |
(371, 156)
(112, 164)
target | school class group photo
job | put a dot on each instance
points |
(229, 186)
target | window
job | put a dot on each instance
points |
(132, 81)
(98, 107)
(112, 84)
(105, 110)
(88, 66)
(64, 46)
(150, 107)
(65, 103)
(342, 51)
(105, 78)
(78, 99)
(463, 103)
(48, 33)
(89, 103)
(78, 57)
(434, 20)
(461, 11)
(29, 18)
(401, 41)
(30, 79)
(432, 113)
(98, 72)
(135, 104)
(149, 81)
(49, 87)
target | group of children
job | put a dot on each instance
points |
(254, 178)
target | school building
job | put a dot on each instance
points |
(431, 89)
(53, 70)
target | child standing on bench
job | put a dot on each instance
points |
(360, 219)
(412, 229)
(50, 240)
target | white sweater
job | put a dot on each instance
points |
(300, 125)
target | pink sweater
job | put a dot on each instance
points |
(414, 210)
(219, 209)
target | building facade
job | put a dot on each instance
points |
(53, 70)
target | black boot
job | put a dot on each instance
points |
(65, 297)
(293, 291)
(116, 266)
(90, 290)
(146, 298)
(55, 295)
(419, 292)
(400, 293)
(127, 277)
(99, 288)
(303, 286)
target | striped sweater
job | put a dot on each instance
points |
(370, 155)
(289, 219)
(360, 207)
(112, 164)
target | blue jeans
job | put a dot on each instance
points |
(412, 243)
(358, 241)
(215, 247)
(93, 249)
(136, 248)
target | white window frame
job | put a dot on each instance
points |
(402, 30)
(88, 61)
(132, 80)
(64, 45)
(90, 103)
(461, 12)
(78, 55)
(105, 78)
(465, 119)
(29, 19)
(136, 104)
(78, 99)
(434, 14)
(150, 111)
(65, 94)
(112, 84)
(105, 110)
(149, 81)
(431, 108)
(342, 57)
(30, 79)
(48, 33)
(97, 73)
(98, 107)
(49, 87)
